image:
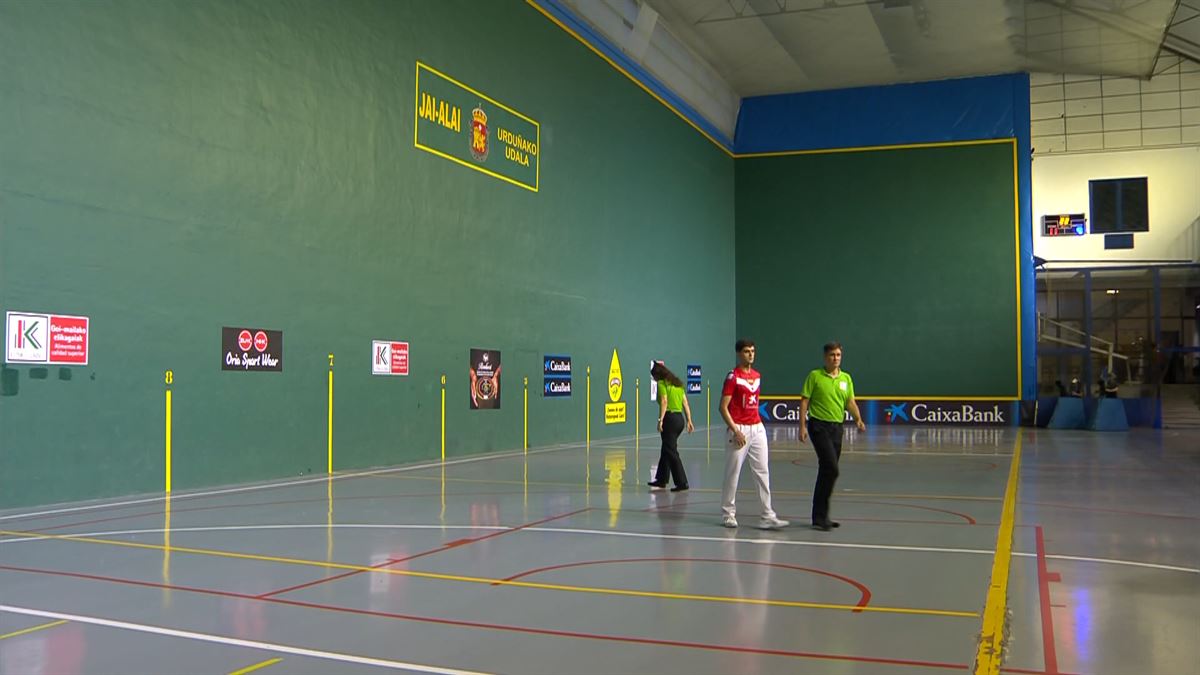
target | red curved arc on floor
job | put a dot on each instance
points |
(964, 516)
(516, 629)
(864, 592)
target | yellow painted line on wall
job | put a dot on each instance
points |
(991, 637)
(257, 666)
(443, 429)
(499, 582)
(26, 631)
(329, 426)
(1017, 253)
(167, 441)
(876, 148)
(629, 75)
(476, 167)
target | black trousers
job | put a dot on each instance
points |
(827, 441)
(669, 464)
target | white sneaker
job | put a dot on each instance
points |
(729, 521)
(772, 523)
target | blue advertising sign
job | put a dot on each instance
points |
(694, 375)
(557, 376)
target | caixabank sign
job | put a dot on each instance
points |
(915, 412)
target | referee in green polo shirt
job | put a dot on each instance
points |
(827, 394)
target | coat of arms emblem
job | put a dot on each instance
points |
(479, 134)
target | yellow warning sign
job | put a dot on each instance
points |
(614, 413)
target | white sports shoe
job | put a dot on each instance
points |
(772, 523)
(729, 521)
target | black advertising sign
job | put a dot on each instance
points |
(249, 349)
(485, 379)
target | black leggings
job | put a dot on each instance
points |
(669, 464)
(827, 441)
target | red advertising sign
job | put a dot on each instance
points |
(69, 340)
(399, 358)
(389, 358)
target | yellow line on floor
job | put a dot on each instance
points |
(991, 638)
(491, 581)
(251, 669)
(799, 493)
(44, 626)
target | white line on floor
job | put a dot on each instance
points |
(611, 533)
(252, 644)
(263, 486)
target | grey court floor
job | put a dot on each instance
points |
(562, 561)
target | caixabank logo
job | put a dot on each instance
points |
(986, 413)
(990, 413)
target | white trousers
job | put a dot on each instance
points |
(756, 449)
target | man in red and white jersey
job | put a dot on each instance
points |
(746, 438)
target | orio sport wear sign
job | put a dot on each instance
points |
(467, 127)
(251, 349)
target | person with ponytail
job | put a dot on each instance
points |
(673, 414)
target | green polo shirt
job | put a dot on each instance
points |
(672, 394)
(827, 395)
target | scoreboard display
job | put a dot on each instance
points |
(1068, 225)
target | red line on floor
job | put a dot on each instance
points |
(388, 563)
(1044, 595)
(864, 592)
(517, 629)
(1100, 510)
(969, 519)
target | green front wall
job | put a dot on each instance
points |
(169, 168)
(905, 256)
